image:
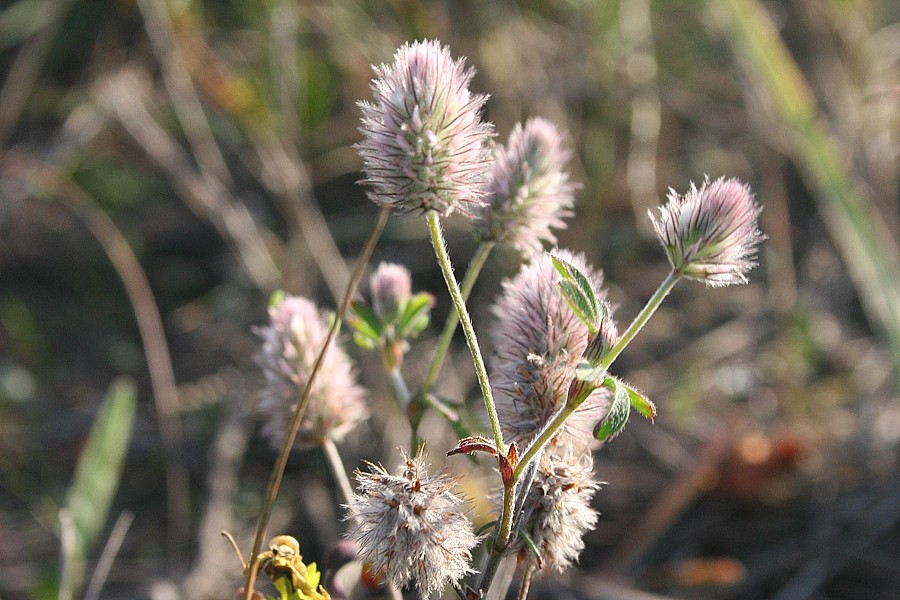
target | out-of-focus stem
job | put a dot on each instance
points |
(336, 465)
(146, 313)
(866, 244)
(526, 582)
(440, 249)
(468, 282)
(281, 463)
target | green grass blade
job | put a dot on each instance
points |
(96, 480)
(867, 248)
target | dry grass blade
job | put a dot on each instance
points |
(119, 94)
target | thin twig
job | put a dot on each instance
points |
(180, 88)
(228, 449)
(281, 463)
(108, 556)
(24, 70)
(526, 581)
(333, 458)
(283, 174)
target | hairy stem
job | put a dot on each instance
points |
(468, 282)
(641, 319)
(281, 463)
(440, 249)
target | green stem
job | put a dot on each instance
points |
(545, 435)
(281, 462)
(468, 282)
(440, 249)
(399, 387)
(641, 319)
(336, 465)
(405, 405)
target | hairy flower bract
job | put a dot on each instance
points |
(558, 508)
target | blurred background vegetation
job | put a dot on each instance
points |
(166, 165)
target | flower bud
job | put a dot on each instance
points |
(391, 287)
(711, 234)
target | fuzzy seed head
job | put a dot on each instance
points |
(391, 286)
(711, 234)
(529, 192)
(290, 344)
(538, 342)
(424, 145)
(558, 509)
(411, 526)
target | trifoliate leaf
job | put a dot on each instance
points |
(579, 293)
(415, 316)
(366, 323)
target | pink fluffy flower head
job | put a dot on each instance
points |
(411, 526)
(424, 145)
(291, 342)
(558, 508)
(711, 234)
(538, 342)
(529, 192)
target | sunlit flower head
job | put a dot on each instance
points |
(290, 344)
(538, 342)
(711, 234)
(529, 192)
(424, 145)
(411, 526)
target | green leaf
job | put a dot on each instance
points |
(364, 341)
(276, 298)
(96, 478)
(579, 293)
(640, 402)
(365, 322)
(532, 547)
(636, 398)
(619, 410)
(415, 316)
